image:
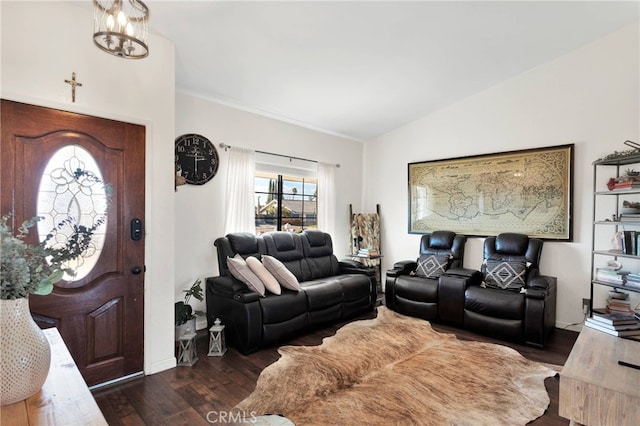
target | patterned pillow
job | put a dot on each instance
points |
(239, 269)
(432, 266)
(505, 275)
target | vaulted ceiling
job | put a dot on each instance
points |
(361, 69)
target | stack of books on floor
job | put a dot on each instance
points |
(615, 323)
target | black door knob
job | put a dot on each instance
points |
(136, 270)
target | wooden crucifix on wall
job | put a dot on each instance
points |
(73, 84)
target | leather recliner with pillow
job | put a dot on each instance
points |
(412, 286)
(513, 300)
(315, 288)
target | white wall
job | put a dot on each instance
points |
(589, 97)
(42, 44)
(200, 210)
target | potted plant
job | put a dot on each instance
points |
(28, 268)
(184, 317)
(31, 269)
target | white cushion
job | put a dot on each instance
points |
(239, 269)
(281, 273)
(265, 276)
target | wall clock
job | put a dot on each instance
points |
(196, 158)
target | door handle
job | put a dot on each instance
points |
(136, 270)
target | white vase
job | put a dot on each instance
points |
(25, 354)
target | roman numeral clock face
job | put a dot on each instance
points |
(196, 158)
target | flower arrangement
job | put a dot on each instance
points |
(34, 268)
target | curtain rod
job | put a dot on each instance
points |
(290, 157)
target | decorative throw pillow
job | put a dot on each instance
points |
(239, 269)
(281, 273)
(265, 276)
(432, 266)
(505, 275)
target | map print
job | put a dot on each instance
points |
(525, 192)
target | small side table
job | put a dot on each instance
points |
(374, 262)
(187, 353)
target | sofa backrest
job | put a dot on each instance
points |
(308, 255)
(243, 243)
(318, 251)
(287, 248)
(510, 247)
(444, 243)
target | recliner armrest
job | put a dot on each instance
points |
(404, 267)
(354, 267)
(231, 288)
(474, 277)
(540, 282)
(540, 286)
(536, 293)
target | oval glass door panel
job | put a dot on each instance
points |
(73, 193)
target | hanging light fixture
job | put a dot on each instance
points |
(120, 27)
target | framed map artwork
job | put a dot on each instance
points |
(529, 192)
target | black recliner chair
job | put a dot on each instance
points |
(513, 301)
(412, 286)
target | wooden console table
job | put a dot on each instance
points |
(64, 399)
(594, 388)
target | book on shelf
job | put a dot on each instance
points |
(626, 185)
(589, 322)
(618, 305)
(610, 276)
(614, 318)
(368, 252)
(629, 217)
(634, 283)
(629, 242)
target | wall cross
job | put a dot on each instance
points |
(73, 84)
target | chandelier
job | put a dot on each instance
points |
(120, 27)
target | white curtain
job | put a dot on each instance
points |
(240, 214)
(326, 198)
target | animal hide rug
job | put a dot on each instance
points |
(396, 370)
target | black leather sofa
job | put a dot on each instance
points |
(524, 310)
(330, 290)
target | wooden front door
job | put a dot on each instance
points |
(100, 316)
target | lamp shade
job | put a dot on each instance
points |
(121, 27)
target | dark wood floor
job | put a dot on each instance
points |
(186, 395)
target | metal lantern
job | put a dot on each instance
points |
(217, 345)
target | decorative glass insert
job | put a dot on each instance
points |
(71, 186)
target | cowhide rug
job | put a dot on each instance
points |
(396, 370)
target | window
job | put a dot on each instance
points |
(286, 197)
(65, 193)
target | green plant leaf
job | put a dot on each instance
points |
(44, 288)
